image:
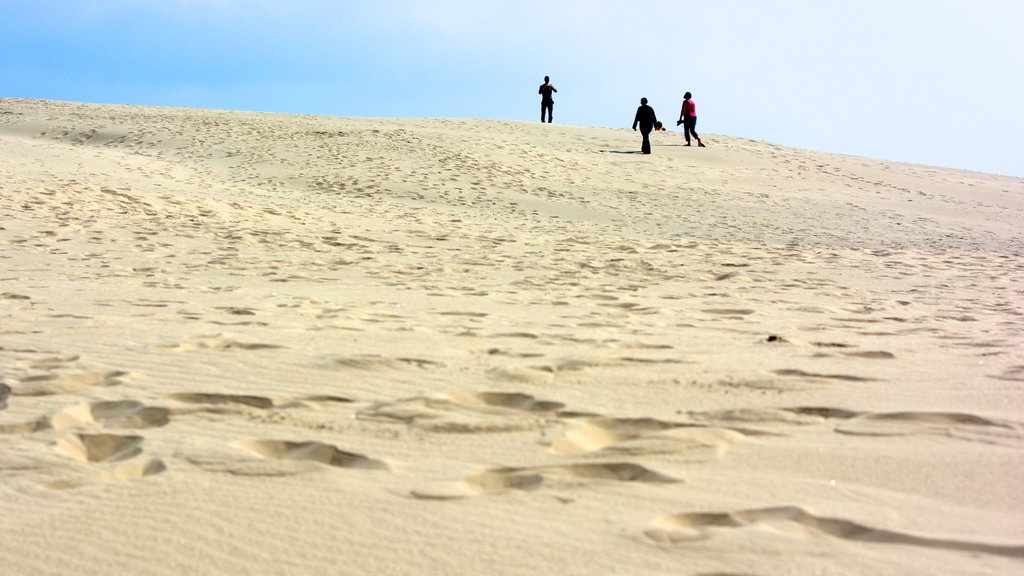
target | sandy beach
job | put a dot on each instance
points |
(251, 343)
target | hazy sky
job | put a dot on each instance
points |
(928, 81)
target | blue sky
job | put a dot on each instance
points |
(927, 81)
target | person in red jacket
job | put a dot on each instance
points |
(688, 118)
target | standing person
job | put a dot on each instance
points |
(646, 118)
(688, 118)
(547, 101)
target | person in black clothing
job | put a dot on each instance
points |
(646, 119)
(547, 101)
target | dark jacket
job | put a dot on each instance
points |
(646, 118)
(546, 91)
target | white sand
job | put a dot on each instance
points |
(239, 343)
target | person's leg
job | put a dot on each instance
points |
(646, 146)
(691, 128)
(543, 110)
(686, 130)
(551, 112)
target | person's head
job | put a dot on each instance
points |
(643, 101)
(547, 79)
(687, 96)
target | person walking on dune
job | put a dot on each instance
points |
(547, 101)
(646, 119)
(688, 118)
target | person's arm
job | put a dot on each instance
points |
(636, 118)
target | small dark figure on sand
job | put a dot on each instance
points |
(547, 101)
(646, 119)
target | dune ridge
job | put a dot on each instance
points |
(236, 342)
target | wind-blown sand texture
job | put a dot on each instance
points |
(241, 343)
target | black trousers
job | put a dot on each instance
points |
(645, 147)
(690, 127)
(549, 107)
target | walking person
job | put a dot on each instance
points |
(547, 101)
(646, 119)
(688, 118)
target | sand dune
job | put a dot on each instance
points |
(243, 343)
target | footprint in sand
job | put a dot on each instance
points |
(793, 521)
(952, 425)
(516, 375)
(566, 476)
(114, 414)
(372, 362)
(215, 343)
(559, 478)
(310, 452)
(285, 458)
(955, 425)
(224, 400)
(55, 384)
(645, 436)
(821, 413)
(50, 362)
(736, 313)
(99, 447)
(464, 412)
(742, 419)
(1011, 374)
(817, 376)
(14, 296)
(123, 472)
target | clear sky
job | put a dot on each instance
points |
(936, 82)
